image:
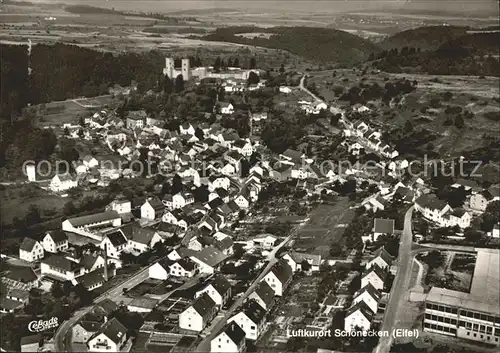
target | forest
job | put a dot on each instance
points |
(63, 71)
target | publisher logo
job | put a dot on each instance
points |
(43, 325)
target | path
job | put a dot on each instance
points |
(399, 286)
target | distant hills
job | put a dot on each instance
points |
(425, 38)
(321, 45)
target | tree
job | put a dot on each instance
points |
(167, 84)
(236, 62)
(176, 184)
(56, 290)
(253, 78)
(66, 131)
(282, 69)
(252, 63)
(217, 64)
(81, 121)
(179, 83)
(459, 121)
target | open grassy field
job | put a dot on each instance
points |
(326, 225)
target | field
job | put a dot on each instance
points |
(326, 225)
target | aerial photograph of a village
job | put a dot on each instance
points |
(228, 176)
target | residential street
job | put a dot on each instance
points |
(204, 345)
(399, 286)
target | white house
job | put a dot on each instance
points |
(243, 199)
(115, 243)
(111, 337)
(243, 147)
(279, 277)
(30, 250)
(208, 259)
(187, 129)
(90, 162)
(152, 209)
(251, 319)
(265, 241)
(219, 289)
(226, 108)
(285, 89)
(218, 181)
(495, 232)
(380, 226)
(432, 208)
(63, 182)
(55, 241)
(382, 258)
(376, 276)
(159, 270)
(83, 330)
(231, 339)
(296, 261)
(480, 200)
(369, 295)
(183, 268)
(198, 315)
(90, 225)
(263, 295)
(457, 217)
(358, 317)
(140, 239)
(120, 206)
(178, 200)
(61, 268)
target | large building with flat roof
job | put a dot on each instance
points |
(474, 315)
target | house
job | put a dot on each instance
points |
(432, 208)
(219, 289)
(231, 339)
(136, 119)
(251, 319)
(31, 250)
(140, 239)
(183, 268)
(218, 181)
(114, 243)
(226, 108)
(120, 206)
(292, 156)
(479, 201)
(263, 295)
(285, 89)
(380, 226)
(61, 268)
(83, 330)
(225, 245)
(152, 209)
(208, 259)
(90, 225)
(374, 275)
(187, 129)
(382, 258)
(405, 194)
(20, 277)
(142, 305)
(55, 241)
(374, 203)
(297, 261)
(243, 199)
(279, 277)
(243, 147)
(197, 316)
(90, 162)
(160, 270)
(265, 241)
(358, 317)
(63, 182)
(495, 232)
(97, 277)
(111, 337)
(18, 295)
(31, 343)
(369, 295)
(457, 217)
(281, 172)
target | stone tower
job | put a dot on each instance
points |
(186, 69)
(169, 68)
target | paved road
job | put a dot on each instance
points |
(63, 340)
(400, 285)
(204, 345)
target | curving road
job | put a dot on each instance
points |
(399, 286)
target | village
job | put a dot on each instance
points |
(212, 257)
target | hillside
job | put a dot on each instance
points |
(320, 45)
(425, 38)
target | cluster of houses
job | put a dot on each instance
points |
(311, 107)
(367, 138)
(367, 300)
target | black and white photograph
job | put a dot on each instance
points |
(250, 176)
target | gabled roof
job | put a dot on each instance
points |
(363, 307)
(314, 260)
(187, 264)
(61, 262)
(224, 244)
(155, 203)
(292, 154)
(88, 260)
(431, 201)
(254, 311)
(216, 203)
(235, 155)
(370, 289)
(377, 270)
(92, 278)
(210, 256)
(28, 244)
(203, 304)
(221, 285)
(117, 238)
(21, 274)
(93, 218)
(265, 292)
(137, 234)
(383, 254)
(58, 236)
(234, 332)
(385, 226)
(240, 143)
(113, 329)
(106, 305)
(90, 326)
(282, 271)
